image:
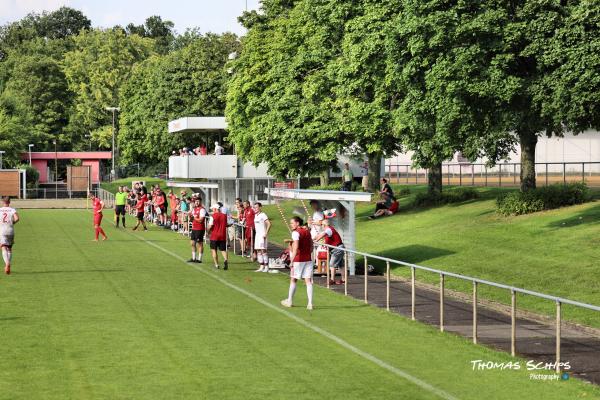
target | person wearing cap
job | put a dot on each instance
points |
(218, 235)
(332, 238)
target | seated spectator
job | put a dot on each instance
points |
(386, 212)
(385, 204)
(203, 150)
(173, 153)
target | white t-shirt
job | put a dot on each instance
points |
(295, 235)
(314, 228)
(259, 224)
(6, 220)
(219, 150)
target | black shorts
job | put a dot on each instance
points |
(197, 236)
(218, 245)
(120, 210)
(140, 216)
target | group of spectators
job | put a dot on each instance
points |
(201, 150)
(388, 204)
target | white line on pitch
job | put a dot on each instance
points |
(422, 384)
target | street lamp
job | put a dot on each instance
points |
(114, 110)
(55, 169)
(1, 152)
(30, 146)
(89, 137)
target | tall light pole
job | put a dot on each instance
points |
(89, 138)
(55, 169)
(114, 110)
(1, 152)
(30, 146)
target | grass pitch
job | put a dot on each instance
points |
(553, 252)
(129, 319)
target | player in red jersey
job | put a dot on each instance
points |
(218, 235)
(98, 206)
(249, 233)
(139, 206)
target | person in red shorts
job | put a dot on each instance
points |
(139, 207)
(218, 235)
(98, 206)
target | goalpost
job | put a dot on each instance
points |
(343, 202)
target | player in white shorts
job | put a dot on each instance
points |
(8, 218)
(302, 265)
(262, 225)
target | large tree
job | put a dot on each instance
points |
(186, 82)
(155, 28)
(446, 65)
(280, 99)
(365, 96)
(96, 69)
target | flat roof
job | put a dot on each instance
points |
(199, 185)
(67, 155)
(197, 124)
(306, 194)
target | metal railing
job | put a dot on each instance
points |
(107, 197)
(559, 301)
(501, 175)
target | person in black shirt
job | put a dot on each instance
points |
(386, 188)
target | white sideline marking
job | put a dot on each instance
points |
(422, 384)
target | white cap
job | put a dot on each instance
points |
(215, 206)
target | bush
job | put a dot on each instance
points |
(456, 195)
(32, 176)
(356, 187)
(404, 191)
(544, 198)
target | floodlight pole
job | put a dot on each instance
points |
(114, 110)
(1, 152)
(55, 169)
(30, 146)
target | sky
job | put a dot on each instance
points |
(209, 15)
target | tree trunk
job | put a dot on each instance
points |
(374, 174)
(324, 178)
(434, 178)
(528, 141)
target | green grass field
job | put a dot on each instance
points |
(129, 319)
(553, 252)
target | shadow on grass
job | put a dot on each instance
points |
(407, 206)
(67, 272)
(413, 254)
(591, 216)
(10, 318)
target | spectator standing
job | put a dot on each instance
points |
(203, 150)
(333, 238)
(347, 178)
(218, 149)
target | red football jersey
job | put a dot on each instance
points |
(249, 217)
(219, 227)
(198, 214)
(97, 204)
